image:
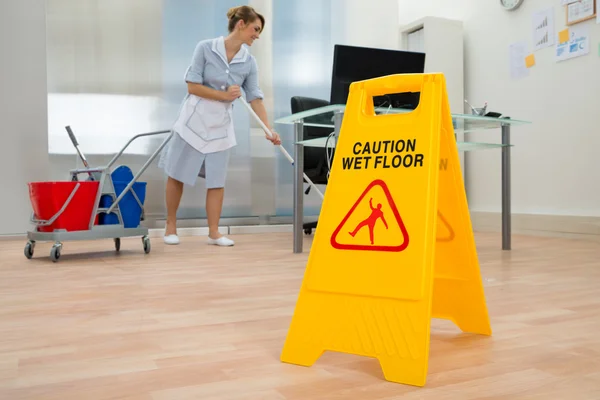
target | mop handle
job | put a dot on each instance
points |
(76, 145)
(267, 131)
(285, 153)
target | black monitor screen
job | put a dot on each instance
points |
(351, 64)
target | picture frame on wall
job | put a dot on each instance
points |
(580, 11)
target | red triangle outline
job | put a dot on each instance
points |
(447, 225)
(339, 246)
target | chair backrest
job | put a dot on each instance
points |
(300, 104)
(313, 156)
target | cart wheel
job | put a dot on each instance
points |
(29, 249)
(308, 231)
(55, 252)
(117, 244)
(146, 241)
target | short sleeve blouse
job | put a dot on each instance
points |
(209, 67)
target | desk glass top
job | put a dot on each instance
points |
(323, 117)
(462, 146)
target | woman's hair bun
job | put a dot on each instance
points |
(232, 11)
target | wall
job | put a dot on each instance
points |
(554, 159)
(24, 149)
(366, 23)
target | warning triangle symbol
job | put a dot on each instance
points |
(373, 223)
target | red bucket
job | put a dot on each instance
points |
(47, 198)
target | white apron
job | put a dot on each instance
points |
(206, 125)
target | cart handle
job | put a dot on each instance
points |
(41, 222)
(141, 171)
(120, 153)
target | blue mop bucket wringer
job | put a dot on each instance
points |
(131, 209)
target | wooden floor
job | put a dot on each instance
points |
(200, 322)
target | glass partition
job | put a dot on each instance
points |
(303, 36)
(115, 69)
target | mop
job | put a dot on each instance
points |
(285, 153)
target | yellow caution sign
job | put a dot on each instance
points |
(394, 246)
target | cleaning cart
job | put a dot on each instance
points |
(108, 204)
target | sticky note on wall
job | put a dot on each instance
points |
(530, 61)
(563, 36)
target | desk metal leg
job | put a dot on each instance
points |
(298, 186)
(337, 123)
(506, 198)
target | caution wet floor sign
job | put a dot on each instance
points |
(394, 246)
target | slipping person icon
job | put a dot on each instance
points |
(376, 213)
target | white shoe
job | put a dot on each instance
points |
(171, 239)
(222, 241)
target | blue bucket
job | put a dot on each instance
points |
(130, 209)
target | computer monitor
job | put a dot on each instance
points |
(351, 64)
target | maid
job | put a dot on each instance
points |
(204, 131)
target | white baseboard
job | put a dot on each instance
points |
(540, 225)
(199, 231)
(240, 230)
(522, 224)
(225, 230)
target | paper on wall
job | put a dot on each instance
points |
(577, 45)
(567, 2)
(563, 36)
(517, 54)
(530, 61)
(543, 29)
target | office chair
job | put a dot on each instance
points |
(315, 159)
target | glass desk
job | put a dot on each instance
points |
(331, 117)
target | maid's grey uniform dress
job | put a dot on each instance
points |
(203, 132)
